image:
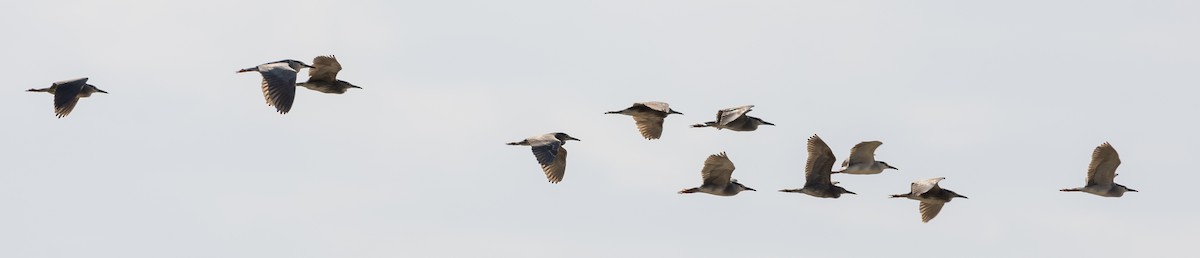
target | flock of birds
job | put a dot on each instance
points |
(279, 90)
(818, 171)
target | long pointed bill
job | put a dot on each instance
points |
(767, 123)
(573, 138)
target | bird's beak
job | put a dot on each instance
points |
(101, 91)
(767, 123)
(964, 197)
(355, 86)
(849, 192)
(675, 112)
(31, 90)
(751, 189)
(306, 65)
(891, 167)
(1131, 190)
(573, 138)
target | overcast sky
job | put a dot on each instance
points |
(1006, 99)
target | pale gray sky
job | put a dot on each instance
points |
(1004, 98)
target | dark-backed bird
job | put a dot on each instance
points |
(648, 116)
(279, 82)
(550, 154)
(931, 196)
(862, 160)
(323, 76)
(735, 119)
(717, 173)
(817, 172)
(1101, 172)
(67, 93)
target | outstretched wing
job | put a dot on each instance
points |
(555, 170)
(923, 186)
(717, 170)
(650, 127)
(862, 153)
(655, 105)
(820, 162)
(1104, 165)
(728, 115)
(66, 95)
(325, 68)
(930, 210)
(278, 86)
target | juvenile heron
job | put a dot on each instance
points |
(862, 160)
(548, 150)
(817, 171)
(648, 116)
(279, 82)
(323, 76)
(931, 196)
(1101, 173)
(735, 119)
(67, 93)
(716, 173)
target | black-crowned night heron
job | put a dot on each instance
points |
(279, 82)
(67, 93)
(735, 119)
(1101, 173)
(648, 116)
(862, 160)
(817, 172)
(323, 76)
(548, 150)
(931, 196)
(716, 174)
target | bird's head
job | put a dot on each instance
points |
(295, 65)
(564, 137)
(953, 194)
(349, 84)
(885, 164)
(760, 121)
(741, 187)
(843, 190)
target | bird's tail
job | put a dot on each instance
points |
(690, 190)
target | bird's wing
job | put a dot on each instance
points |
(1104, 165)
(555, 170)
(728, 115)
(820, 162)
(278, 86)
(655, 105)
(650, 127)
(922, 186)
(546, 152)
(325, 68)
(863, 152)
(930, 210)
(67, 95)
(717, 170)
